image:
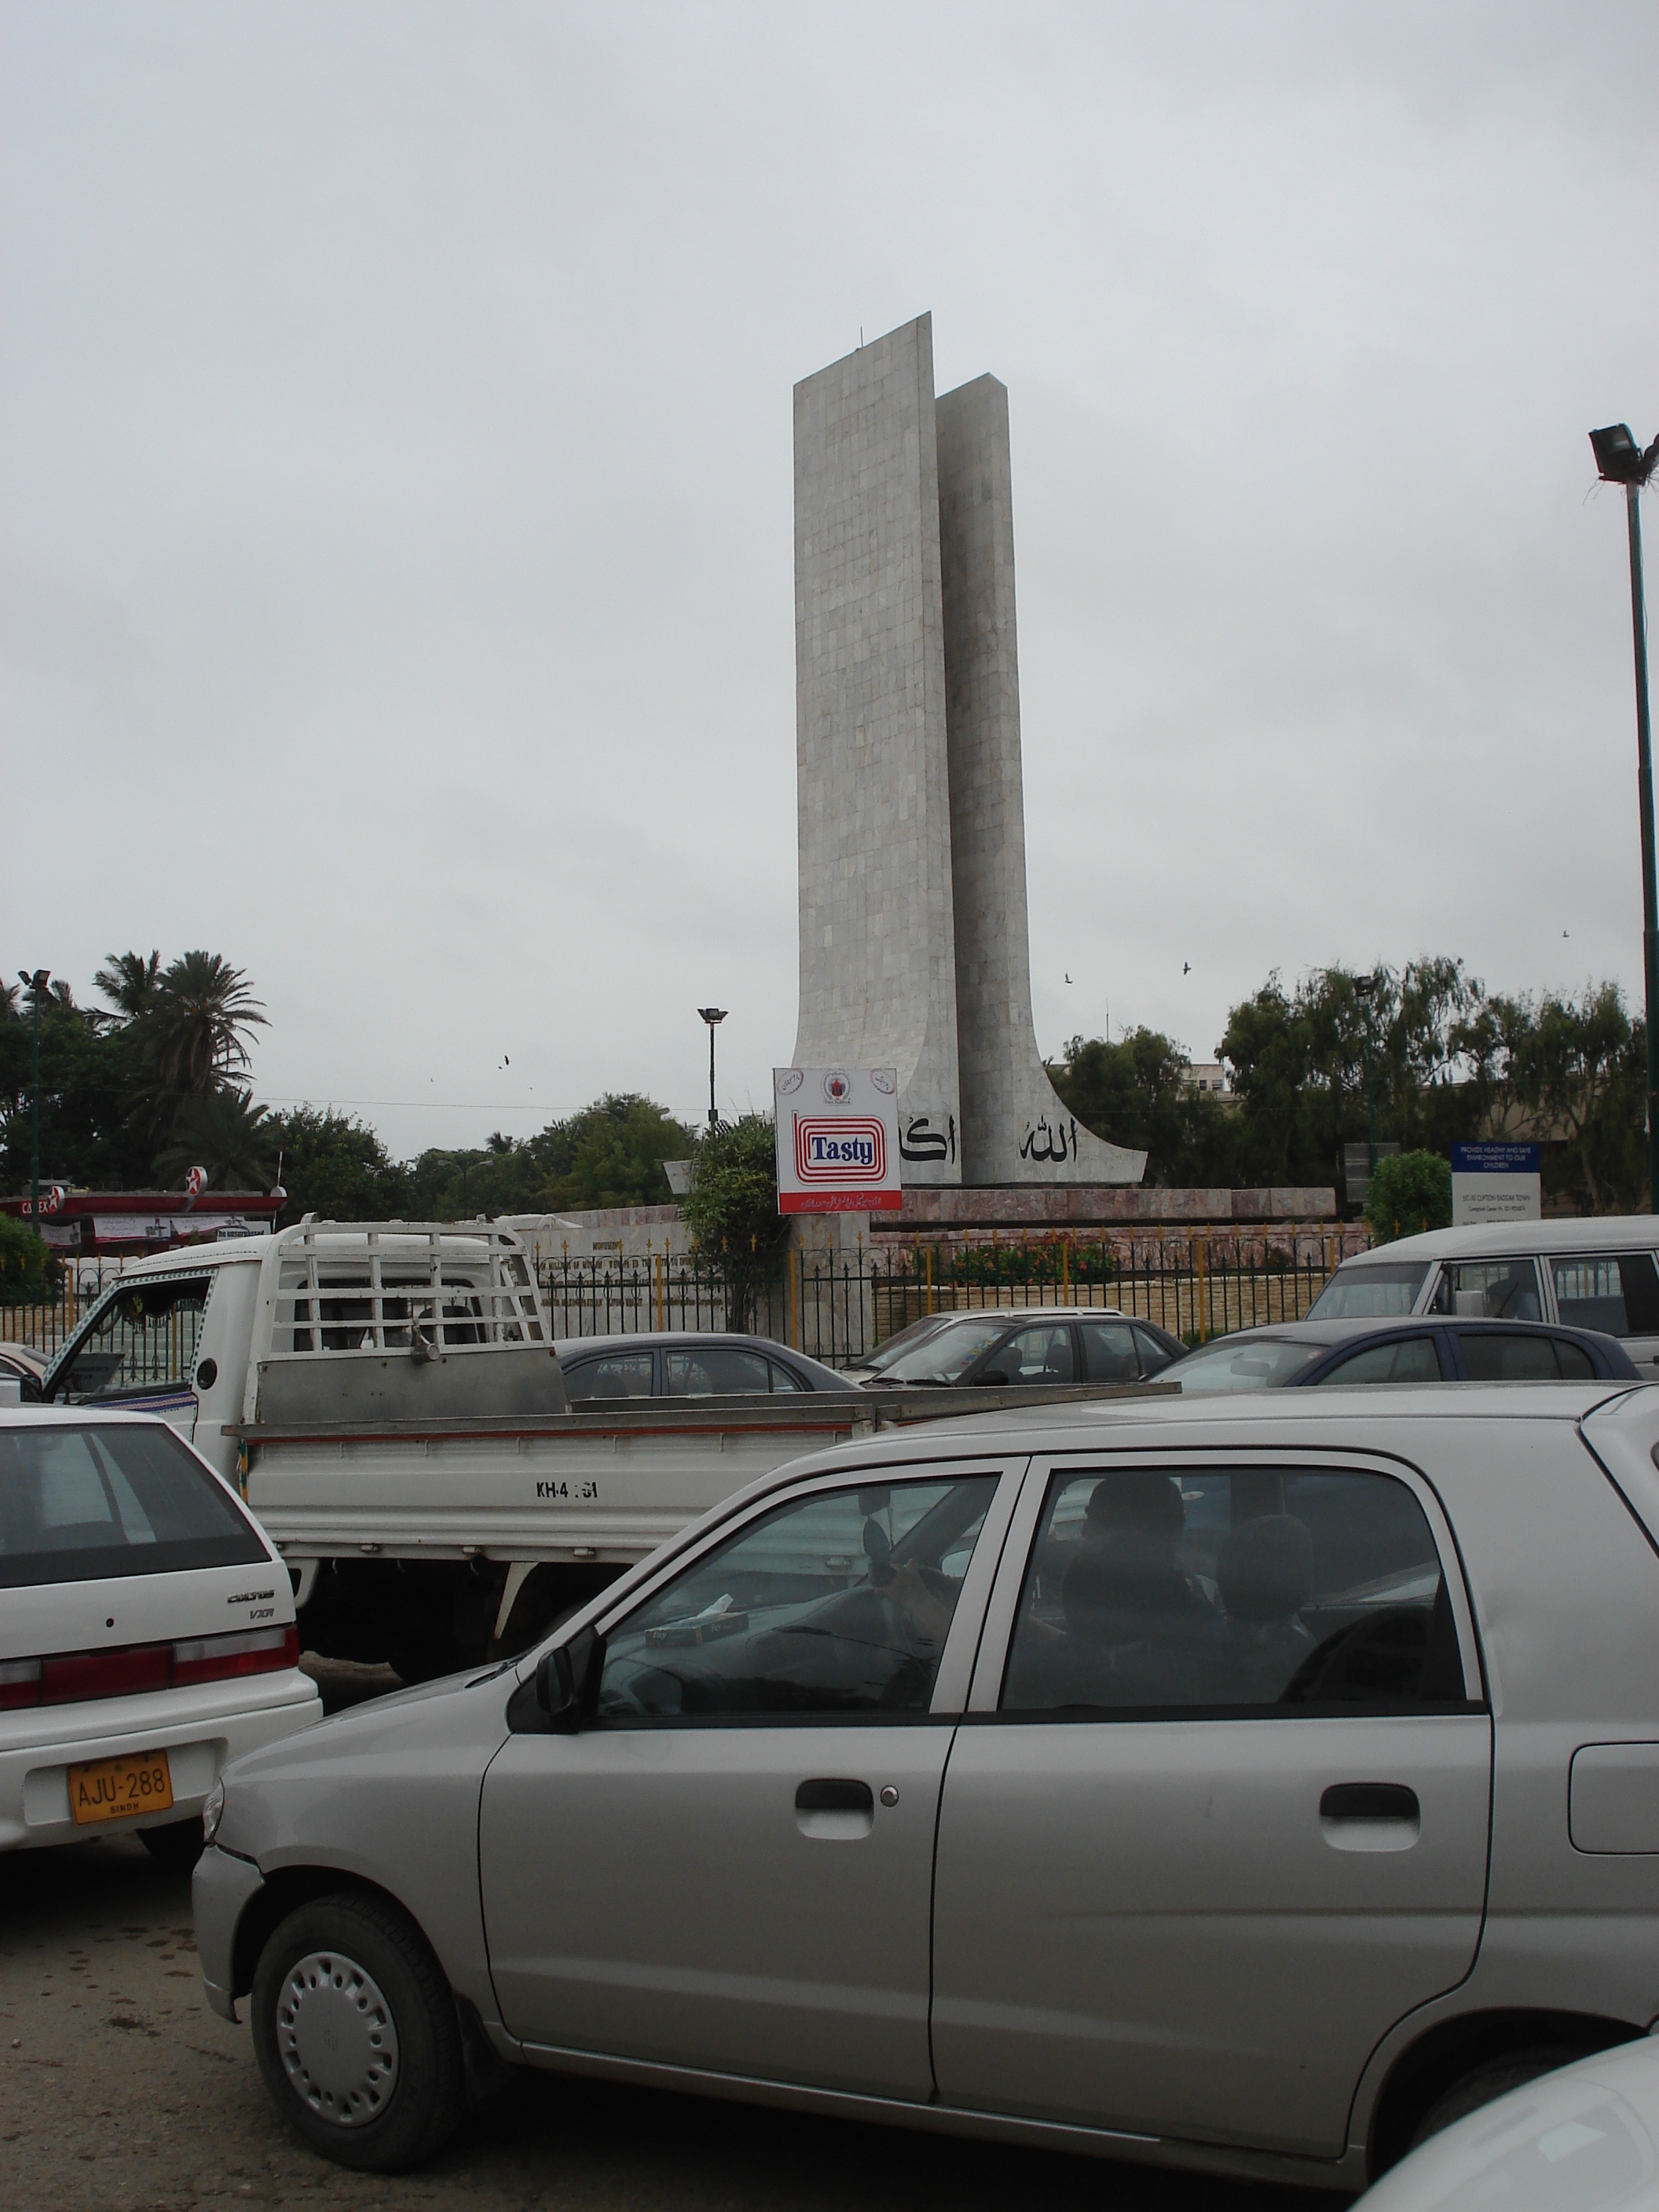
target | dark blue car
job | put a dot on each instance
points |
(1430, 1349)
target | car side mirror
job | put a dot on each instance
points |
(555, 1692)
(562, 1691)
(992, 1378)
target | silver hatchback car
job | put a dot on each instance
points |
(1226, 1785)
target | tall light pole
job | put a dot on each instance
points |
(37, 983)
(713, 1016)
(1621, 460)
(1365, 990)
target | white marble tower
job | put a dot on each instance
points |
(913, 944)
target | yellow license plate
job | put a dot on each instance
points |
(116, 1788)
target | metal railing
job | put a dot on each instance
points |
(840, 1312)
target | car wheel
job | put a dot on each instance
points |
(356, 2033)
(1496, 2078)
(178, 1846)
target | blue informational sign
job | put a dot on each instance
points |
(1495, 1183)
(1494, 1159)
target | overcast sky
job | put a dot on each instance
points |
(396, 545)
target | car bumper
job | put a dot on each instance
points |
(201, 1733)
(220, 1891)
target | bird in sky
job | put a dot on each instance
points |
(1069, 979)
(1186, 967)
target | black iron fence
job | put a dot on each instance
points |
(839, 1311)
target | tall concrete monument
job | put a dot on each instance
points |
(915, 951)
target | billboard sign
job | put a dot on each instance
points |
(1495, 1183)
(838, 1140)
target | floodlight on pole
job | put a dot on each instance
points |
(713, 1016)
(1621, 460)
(1366, 991)
(37, 983)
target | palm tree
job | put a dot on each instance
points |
(224, 1132)
(131, 982)
(198, 1026)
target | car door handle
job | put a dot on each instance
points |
(832, 1795)
(1370, 1801)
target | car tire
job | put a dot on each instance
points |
(177, 1846)
(1484, 2083)
(356, 2033)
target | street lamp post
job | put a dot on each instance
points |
(37, 983)
(1365, 990)
(713, 1016)
(1621, 460)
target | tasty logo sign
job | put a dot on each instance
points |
(838, 1148)
(847, 1149)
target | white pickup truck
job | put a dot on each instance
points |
(388, 1399)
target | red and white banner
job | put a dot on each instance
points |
(837, 1137)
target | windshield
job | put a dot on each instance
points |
(82, 1505)
(139, 1339)
(1370, 1290)
(906, 1340)
(946, 1356)
(1241, 1363)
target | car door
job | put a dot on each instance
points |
(137, 1351)
(1041, 1353)
(1109, 1354)
(1617, 1293)
(1395, 1359)
(1221, 1819)
(730, 1867)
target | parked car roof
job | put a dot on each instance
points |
(814, 1374)
(1603, 1233)
(1310, 1349)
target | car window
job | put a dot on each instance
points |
(1493, 1355)
(1492, 1290)
(1617, 1293)
(1412, 1359)
(1040, 1354)
(712, 1371)
(782, 1379)
(83, 1503)
(1155, 1355)
(1265, 1588)
(614, 1375)
(949, 1352)
(1251, 1361)
(1109, 1351)
(142, 1337)
(1383, 1290)
(833, 1604)
(905, 1340)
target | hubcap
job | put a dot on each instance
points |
(334, 2029)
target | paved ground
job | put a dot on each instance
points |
(119, 2089)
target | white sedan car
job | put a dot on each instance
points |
(1584, 2139)
(147, 1633)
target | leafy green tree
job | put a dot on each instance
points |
(336, 1167)
(1408, 1192)
(29, 1269)
(131, 982)
(224, 1132)
(89, 1082)
(196, 1034)
(1575, 1071)
(610, 1154)
(731, 1209)
(1135, 1093)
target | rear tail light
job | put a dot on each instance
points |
(69, 1677)
(20, 1684)
(221, 1658)
(65, 1678)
